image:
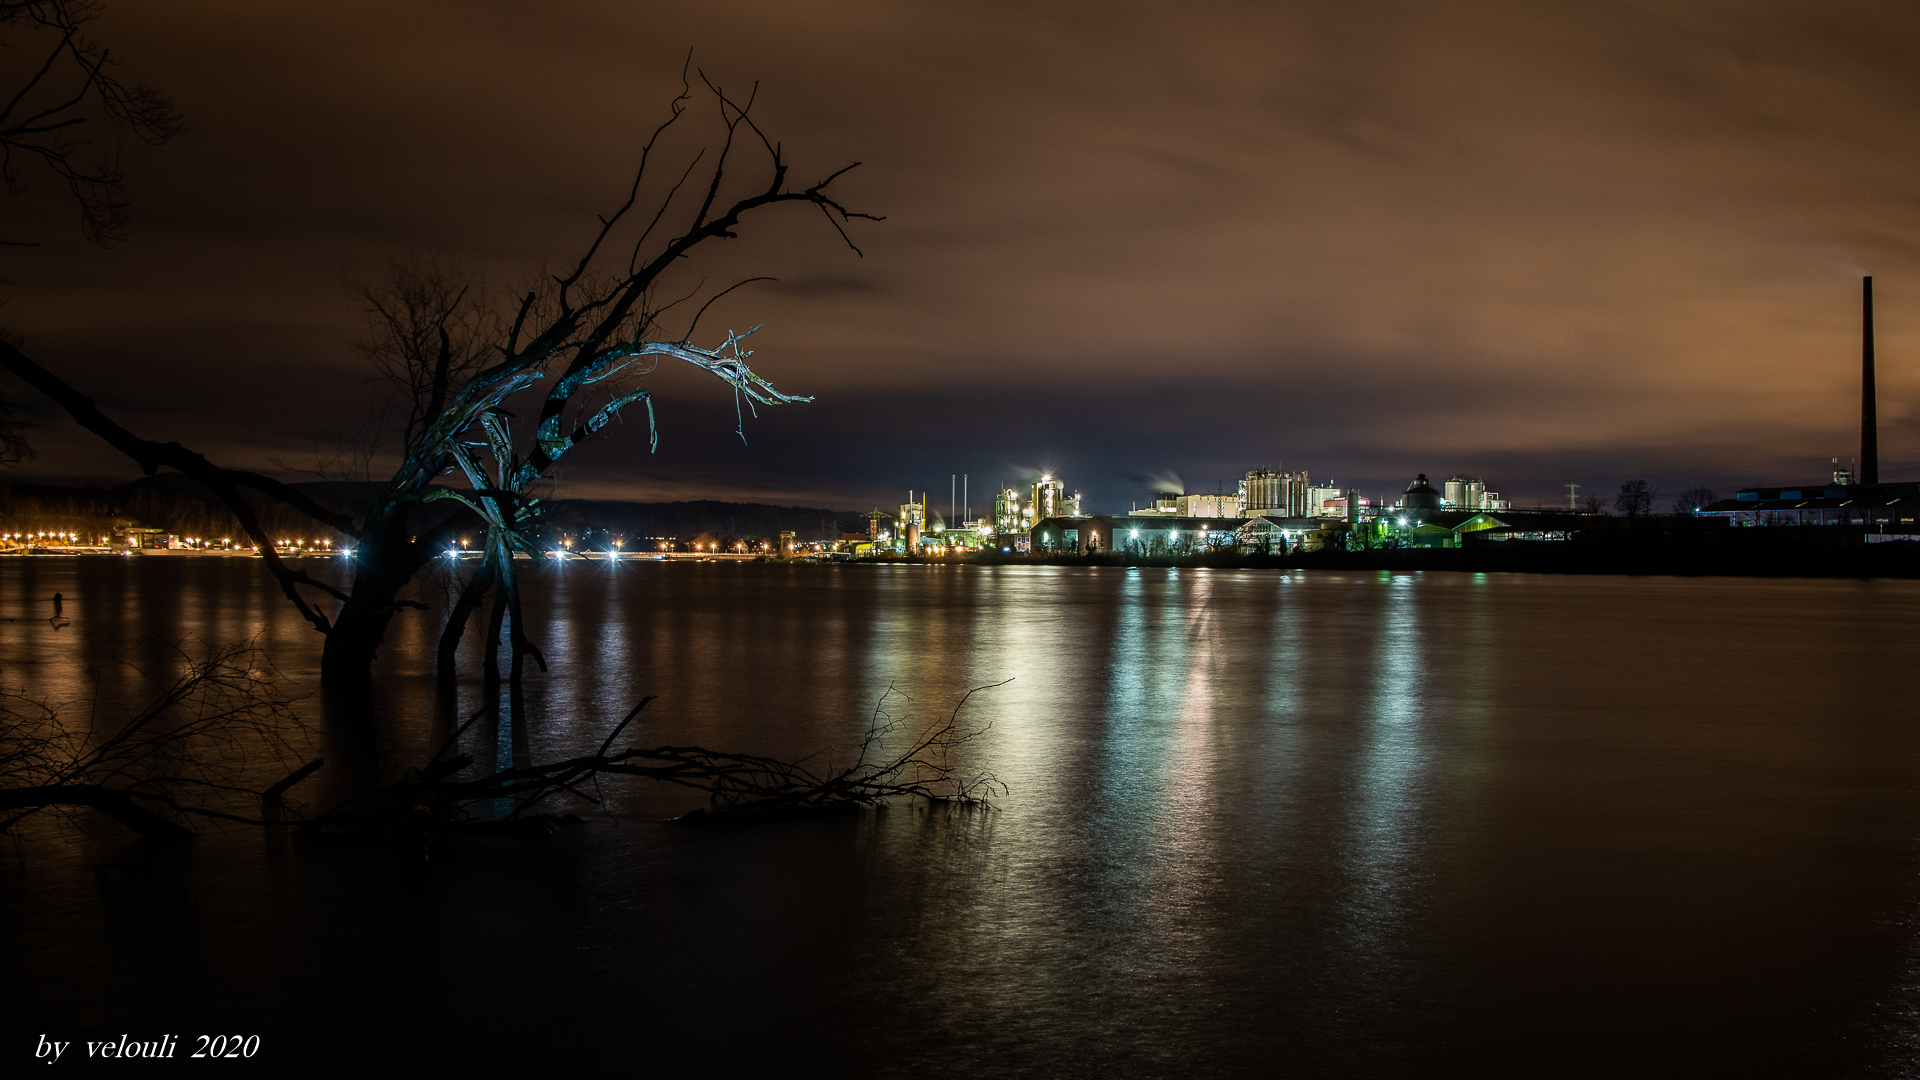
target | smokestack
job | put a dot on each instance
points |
(1869, 421)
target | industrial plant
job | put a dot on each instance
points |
(1270, 511)
(1278, 512)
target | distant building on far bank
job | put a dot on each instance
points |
(1268, 493)
(1419, 499)
(1470, 493)
(1216, 504)
(1890, 510)
(1850, 508)
(1141, 534)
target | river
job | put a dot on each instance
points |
(1257, 823)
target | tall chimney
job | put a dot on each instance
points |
(1869, 421)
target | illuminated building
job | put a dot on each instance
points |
(1047, 495)
(913, 513)
(1343, 506)
(1008, 517)
(1212, 505)
(1273, 534)
(1327, 502)
(913, 521)
(1265, 492)
(1168, 504)
(1890, 510)
(1134, 533)
(1470, 493)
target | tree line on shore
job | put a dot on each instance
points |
(176, 505)
(168, 502)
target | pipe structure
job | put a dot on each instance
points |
(1869, 420)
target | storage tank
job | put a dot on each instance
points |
(1420, 496)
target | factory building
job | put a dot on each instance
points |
(1418, 501)
(1889, 509)
(1140, 534)
(1217, 504)
(913, 522)
(1165, 504)
(1209, 505)
(1268, 493)
(1273, 494)
(1272, 511)
(1274, 534)
(1470, 493)
(1015, 512)
(1048, 498)
(1329, 502)
(1045, 497)
(1860, 505)
(1008, 517)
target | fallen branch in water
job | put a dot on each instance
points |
(431, 799)
(184, 755)
(187, 754)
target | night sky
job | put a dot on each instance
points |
(1537, 242)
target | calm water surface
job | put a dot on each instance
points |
(1259, 823)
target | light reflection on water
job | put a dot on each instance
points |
(1260, 822)
(1391, 773)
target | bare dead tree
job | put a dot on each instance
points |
(585, 330)
(186, 754)
(430, 328)
(1693, 498)
(1635, 500)
(69, 83)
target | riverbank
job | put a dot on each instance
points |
(1728, 556)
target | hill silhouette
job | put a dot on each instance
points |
(181, 506)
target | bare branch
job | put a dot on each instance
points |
(676, 108)
(430, 327)
(735, 783)
(52, 101)
(688, 336)
(187, 751)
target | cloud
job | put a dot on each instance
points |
(1521, 239)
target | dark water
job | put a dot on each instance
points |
(1259, 824)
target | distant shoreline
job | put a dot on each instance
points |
(1894, 560)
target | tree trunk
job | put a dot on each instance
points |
(490, 661)
(386, 561)
(463, 609)
(346, 661)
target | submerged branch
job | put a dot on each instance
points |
(431, 799)
(185, 754)
(191, 752)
